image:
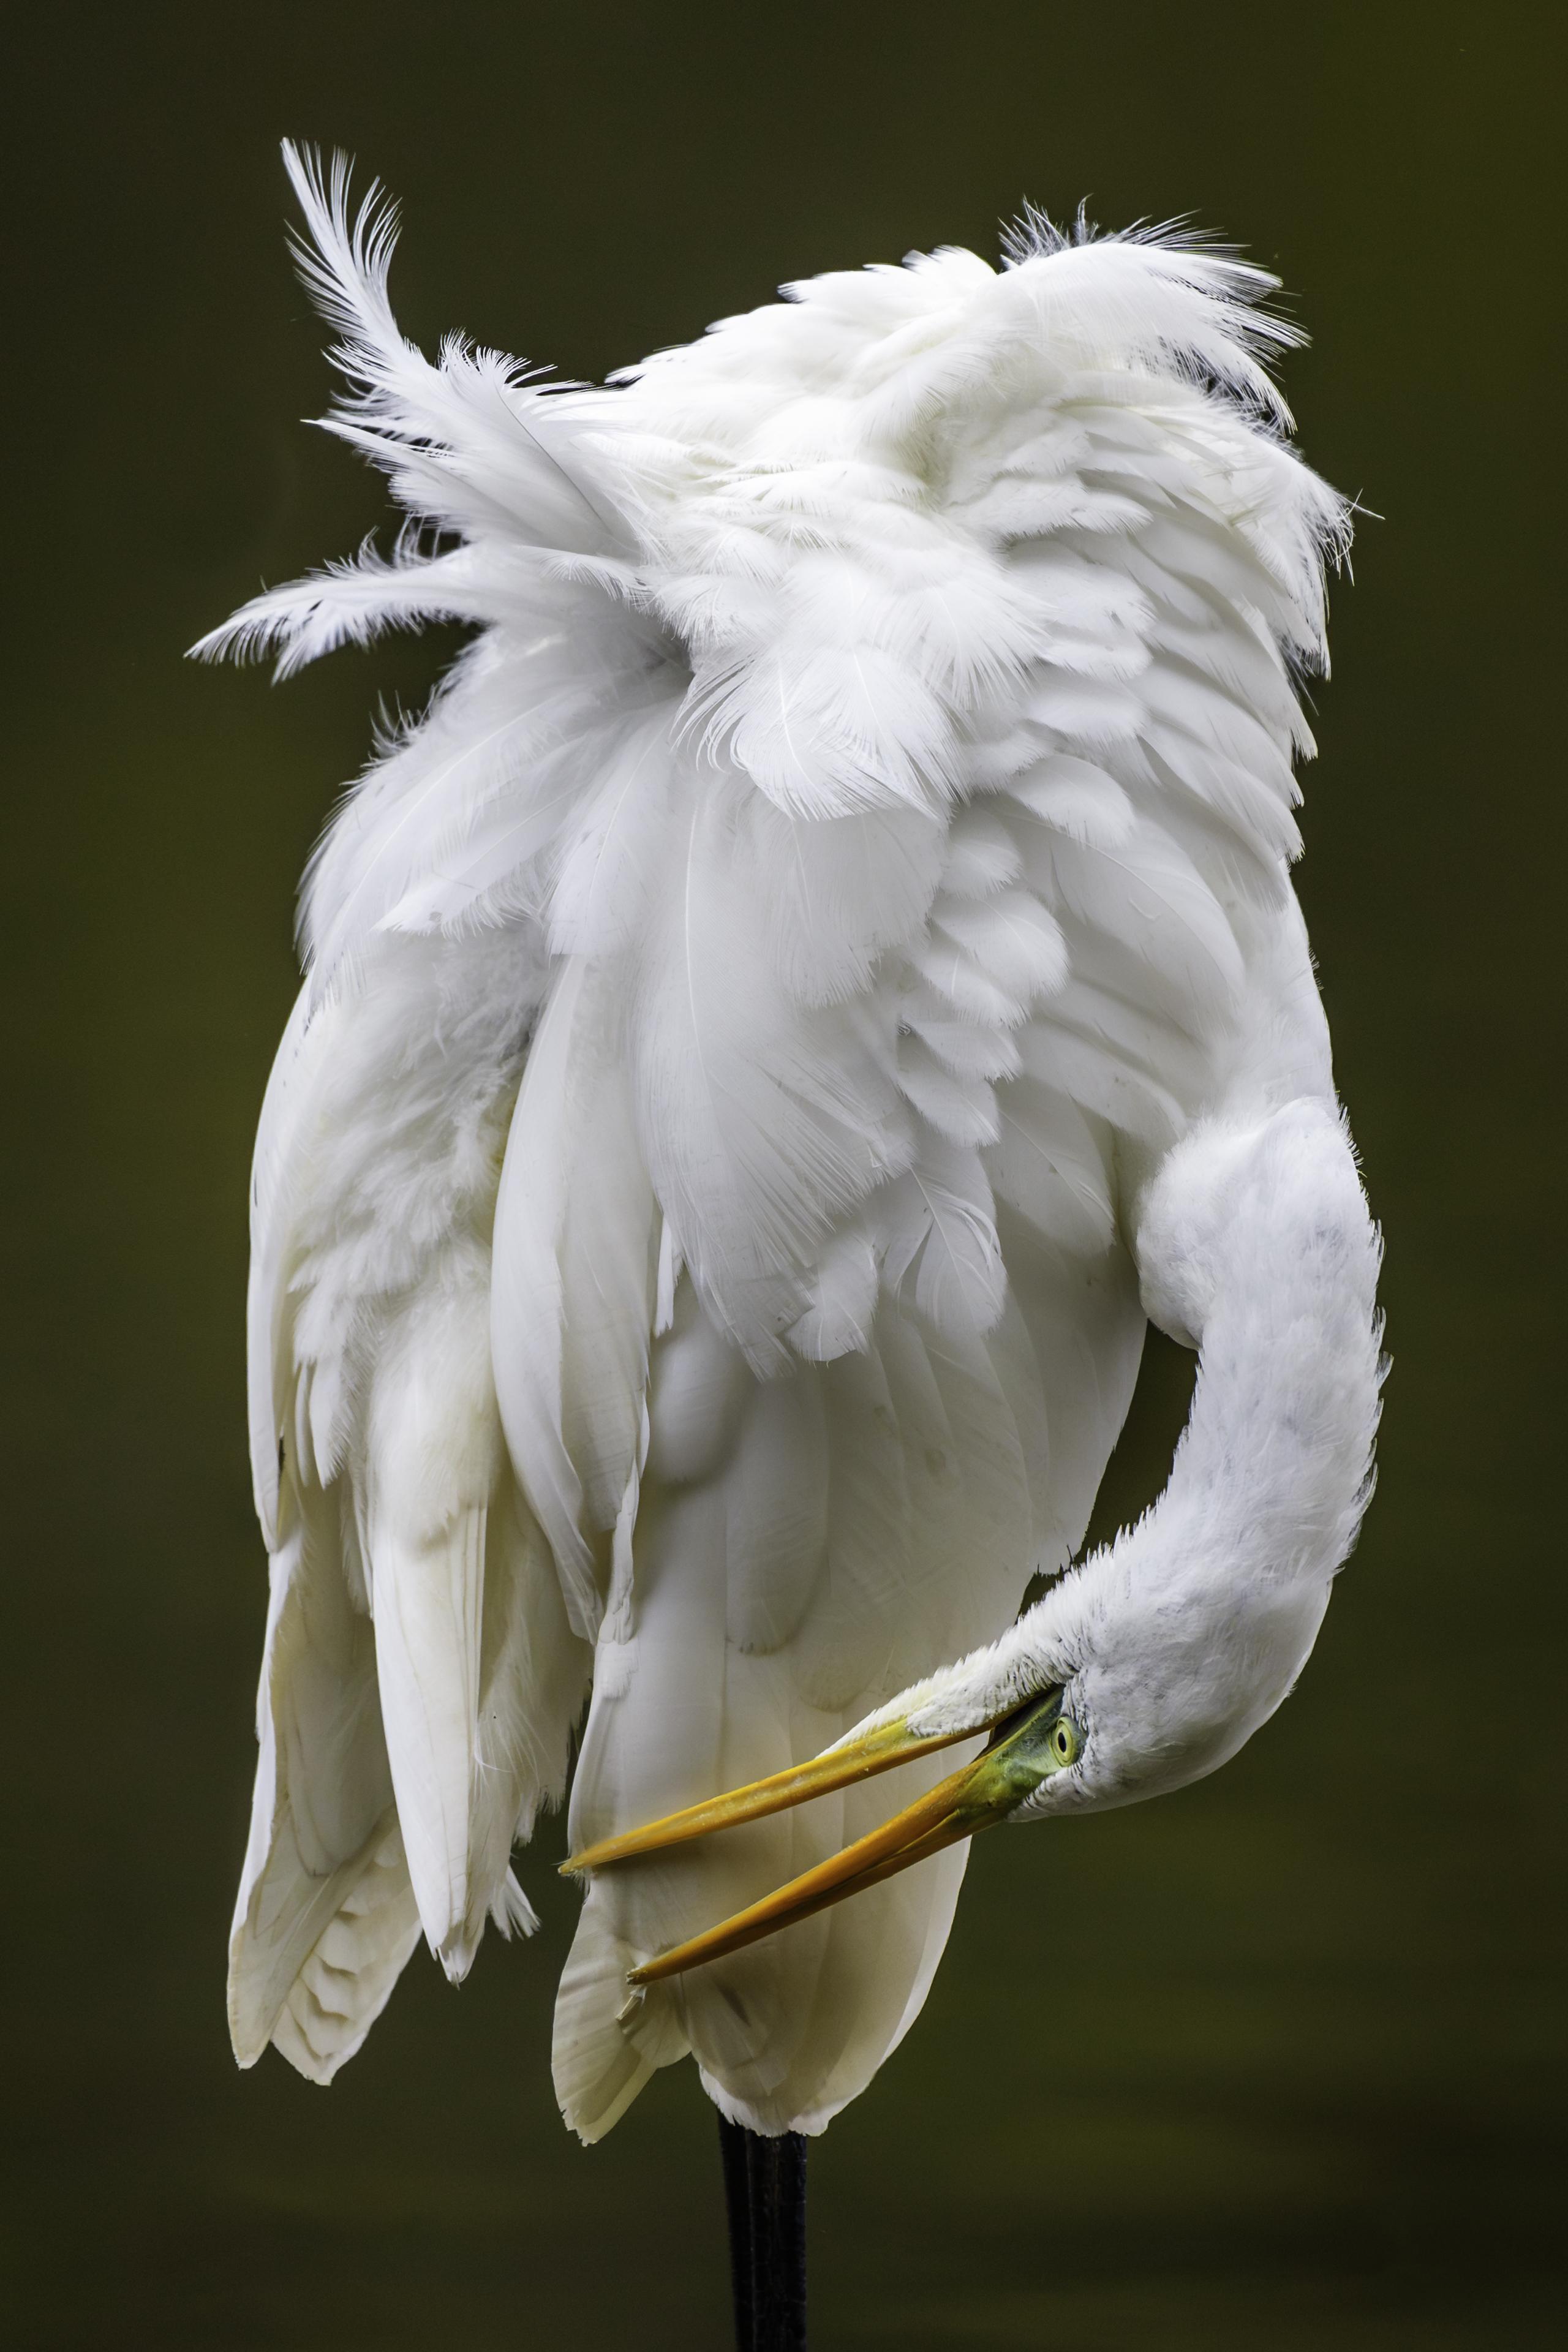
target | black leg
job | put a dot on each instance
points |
(765, 2190)
(778, 2243)
(737, 2205)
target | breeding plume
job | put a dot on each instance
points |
(820, 976)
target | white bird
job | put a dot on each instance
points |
(818, 978)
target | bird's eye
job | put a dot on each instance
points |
(1063, 1741)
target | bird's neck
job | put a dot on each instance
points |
(1180, 1638)
(1194, 1625)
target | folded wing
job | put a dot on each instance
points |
(420, 1676)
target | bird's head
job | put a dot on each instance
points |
(1160, 1655)
(1119, 1686)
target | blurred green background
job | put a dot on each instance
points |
(1271, 2064)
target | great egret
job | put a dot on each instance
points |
(821, 973)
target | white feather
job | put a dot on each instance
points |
(574, 1284)
(864, 808)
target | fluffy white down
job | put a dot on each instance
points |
(697, 1204)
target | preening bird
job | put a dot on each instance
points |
(820, 978)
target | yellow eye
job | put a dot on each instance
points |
(1064, 1742)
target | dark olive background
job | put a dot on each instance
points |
(1270, 2063)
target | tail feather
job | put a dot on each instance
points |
(576, 1237)
(479, 1675)
(323, 1800)
(429, 1599)
(347, 1981)
(533, 1676)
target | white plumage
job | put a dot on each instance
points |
(826, 945)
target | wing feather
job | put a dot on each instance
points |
(420, 1677)
(577, 1238)
(323, 1807)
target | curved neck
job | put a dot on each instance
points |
(1185, 1633)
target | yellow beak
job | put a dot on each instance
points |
(1015, 1761)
